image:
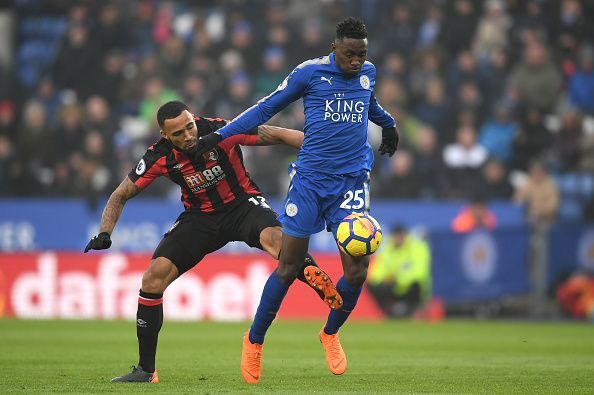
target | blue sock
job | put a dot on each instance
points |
(272, 296)
(336, 318)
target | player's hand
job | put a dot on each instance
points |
(100, 242)
(206, 143)
(390, 140)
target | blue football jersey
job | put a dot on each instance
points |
(337, 110)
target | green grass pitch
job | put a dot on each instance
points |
(388, 357)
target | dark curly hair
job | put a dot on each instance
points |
(351, 28)
(170, 110)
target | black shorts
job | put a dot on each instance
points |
(196, 234)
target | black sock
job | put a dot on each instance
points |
(309, 261)
(149, 319)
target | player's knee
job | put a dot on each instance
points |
(270, 239)
(287, 272)
(153, 283)
(357, 280)
(158, 276)
(356, 276)
(355, 270)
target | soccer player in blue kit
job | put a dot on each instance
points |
(329, 180)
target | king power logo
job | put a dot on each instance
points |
(341, 110)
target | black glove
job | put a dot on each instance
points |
(100, 242)
(389, 143)
(206, 143)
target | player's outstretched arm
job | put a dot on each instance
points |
(113, 209)
(270, 135)
(111, 213)
(287, 92)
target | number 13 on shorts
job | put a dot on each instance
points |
(259, 201)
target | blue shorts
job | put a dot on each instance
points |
(315, 201)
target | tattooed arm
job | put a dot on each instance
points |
(113, 209)
(269, 135)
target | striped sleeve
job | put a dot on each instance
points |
(150, 167)
(242, 139)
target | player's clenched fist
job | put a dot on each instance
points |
(389, 143)
(208, 142)
(100, 242)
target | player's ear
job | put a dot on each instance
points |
(333, 46)
(162, 133)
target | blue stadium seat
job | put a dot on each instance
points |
(576, 190)
(570, 210)
(39, 38)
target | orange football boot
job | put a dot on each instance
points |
(321, 283)
(251, 360)
(335, 357)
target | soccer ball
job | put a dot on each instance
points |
(358, 234)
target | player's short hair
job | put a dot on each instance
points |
(351, 28)
(169, 110)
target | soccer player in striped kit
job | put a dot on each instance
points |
(222, 204)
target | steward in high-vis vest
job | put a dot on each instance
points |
(400, 275)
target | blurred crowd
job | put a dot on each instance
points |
(490, 96)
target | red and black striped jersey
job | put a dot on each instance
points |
(208, 183)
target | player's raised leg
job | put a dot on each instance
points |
(149, 319)
(293, 253)
(349, 286)
(310, 273)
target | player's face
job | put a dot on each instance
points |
(350, 54)
(181, 131)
